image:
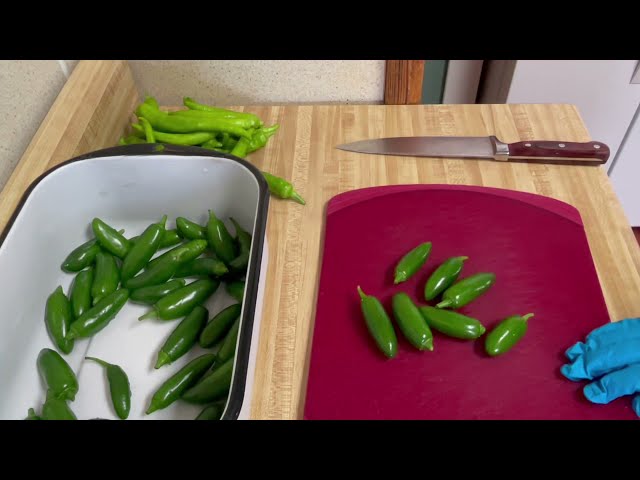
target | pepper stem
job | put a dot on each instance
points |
(462, 259)
(444, 304)
(362, 294)
(295, 196)
(150, 314)
(163, 221)
(97, 360)
(527, 316)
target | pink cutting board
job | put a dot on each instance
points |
(538, 250)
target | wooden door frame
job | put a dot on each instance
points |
(403, 82)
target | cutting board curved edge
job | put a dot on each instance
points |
(552, 205)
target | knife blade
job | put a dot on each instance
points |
(537, 151)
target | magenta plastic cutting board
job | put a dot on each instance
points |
(538, 250)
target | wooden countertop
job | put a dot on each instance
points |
(303, 151)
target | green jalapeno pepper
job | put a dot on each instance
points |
(165, 266)
(282, 188)
(150, 295)
(80, 296)
(212, 412)
(219, 238)
(228, 348)
(170, 238)
(201, 267)
(212, 387)
(452, 324)
(411, 262)
(183, 337)
(119, 387)
(144, 248)
(219, 325)
(81, 257)
(177, 384)
(443, 277)
(58, 376)
(58, 318)
(99, 316)
(191, 230)
(466, 290)
(379, 324)
(106, 278)
(506, 334)
(236, 290)
(182, 301)
(110, 239)
(57, 409)
(243, 239)
(411, 322)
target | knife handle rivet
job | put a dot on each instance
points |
(561, 145)
(596, 146)
(527, 144)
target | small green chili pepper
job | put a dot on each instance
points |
(219, 325)
(200, 114)
(452, 324)
(240, 149)
(144, 248)
(219, 238)
(506, 334)
(466, 290)
(282, 188)
(228, 142)
(106, 278)
(99, 316)
(182, 301)
(178, 383)
(182, 253)
(118, 386)
(148, 130)
(150, 295)
(411, 322)
(165, 266)
(57, 409)
(212, 387)
(58, 317)
(193, 105)
(236, 290)
(261, 137)
(110, 239)
(212, 412)
(201, 267)
(443, 277)
(191, 230)
(170, 238)
(81, 257)
(164, 122)
(31, 415)
(183, 337)
(411, 262)
(228, 348)
(58, 376)
(195, 138)
(81, 292)
(379, 324)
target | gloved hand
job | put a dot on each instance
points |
(611, 355)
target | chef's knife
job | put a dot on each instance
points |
(538, 151)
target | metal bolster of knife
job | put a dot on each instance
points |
(500, 149)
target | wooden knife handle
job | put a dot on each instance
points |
(593, 152)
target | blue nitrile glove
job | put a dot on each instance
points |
(611, 352)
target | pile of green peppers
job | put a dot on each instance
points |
(214, 128)
(416, 322)
(151, 269)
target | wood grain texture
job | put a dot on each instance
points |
(403, 82)
(93, 114)
(90, 113)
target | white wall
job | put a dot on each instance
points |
(246, 82)
(601, 89)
